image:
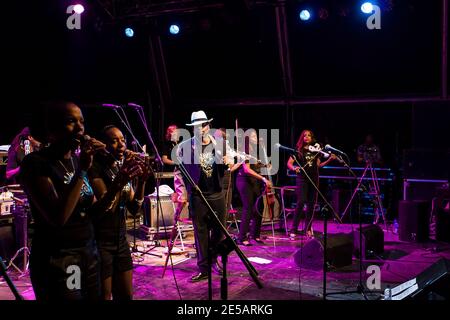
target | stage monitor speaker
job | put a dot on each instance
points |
(7, 241)
(166, 212)
(372, 240)
(442, 225)
(414, 220)
(339, 252)
(432, 284)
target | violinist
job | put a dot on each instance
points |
(250, 184)
(306, 193)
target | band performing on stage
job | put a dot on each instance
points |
(81, 190)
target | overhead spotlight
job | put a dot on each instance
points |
(78, 9)
(367, 7)
(129, 32)
(305, 15)
(174, 29)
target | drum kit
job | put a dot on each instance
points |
(14, 204)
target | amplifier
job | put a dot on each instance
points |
(163, 217)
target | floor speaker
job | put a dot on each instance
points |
(414, 220)
(164, 216)
(7, 241)
(339, 252)
(372, 241)
(442, 225)
(431, 284)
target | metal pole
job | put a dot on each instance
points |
(444, 57)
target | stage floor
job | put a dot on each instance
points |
(282, 279)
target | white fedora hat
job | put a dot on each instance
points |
(198, 117)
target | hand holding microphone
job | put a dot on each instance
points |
(90, 146)
(143, 160)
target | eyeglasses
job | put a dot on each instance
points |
(205, 124)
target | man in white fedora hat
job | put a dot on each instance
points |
(206, 167)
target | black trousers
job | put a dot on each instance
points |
(204, 225)
(249, 189)
(306, 194)
(53, 275)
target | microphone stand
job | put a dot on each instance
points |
(8, 280)
(160, 165)
(359, 188)
(225, 247)
(127, 126)
(324, 210)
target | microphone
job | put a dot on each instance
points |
(135, 106)
(103, 152)
(111, 106)
(316, 148)
(279, 146)
(333, 150)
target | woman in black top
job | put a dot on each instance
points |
(306, 194)
(64, 256)
(250, 183)
(110, 228)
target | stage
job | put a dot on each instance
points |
(281, 277)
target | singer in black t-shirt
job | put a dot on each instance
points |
(64, 256)
(111, 174)
(306, 193)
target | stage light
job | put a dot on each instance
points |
(367, 7)
(174, 29)
(129, 32)
(78, 8)
(305, 15)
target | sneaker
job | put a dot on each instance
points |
(217, 268)
(199, 277)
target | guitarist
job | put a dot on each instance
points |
(250, 184)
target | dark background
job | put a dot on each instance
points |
(226, 61)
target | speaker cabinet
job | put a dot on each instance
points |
(7, 241)
(414, 221)
(442, 225)
(339, 252)
(432, 284)
(164, 216)
(372, 241)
